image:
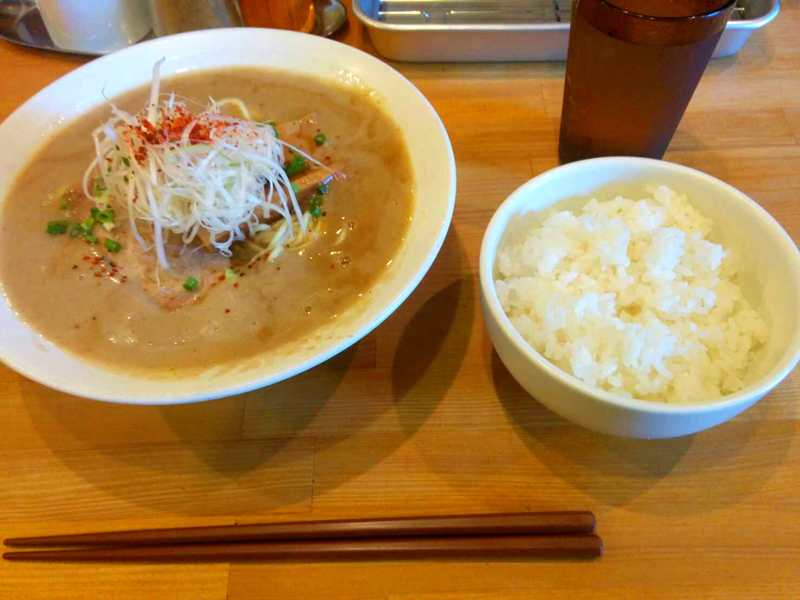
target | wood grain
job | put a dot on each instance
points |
(173, 478)
(421, 418)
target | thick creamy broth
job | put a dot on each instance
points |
(60, 285)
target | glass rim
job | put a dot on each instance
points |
(636, 15)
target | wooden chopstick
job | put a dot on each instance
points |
(512, 546)
(543, 523)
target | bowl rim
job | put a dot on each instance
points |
(494, 234)
(254, 382)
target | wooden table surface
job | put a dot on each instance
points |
(421, 417)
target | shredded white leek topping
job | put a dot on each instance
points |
(207, 174)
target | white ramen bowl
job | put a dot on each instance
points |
(769, 275)
(49, 111)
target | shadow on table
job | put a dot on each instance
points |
(690, 474)
(278, 415)
(424, 341)
(430, 352)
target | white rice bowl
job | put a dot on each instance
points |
(632, 297)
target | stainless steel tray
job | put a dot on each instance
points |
(504, 30)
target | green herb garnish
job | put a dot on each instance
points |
(296, 165)
(112, 246)
(85, 228)
(316, 205)
(190, 284)
(320, 139)
(105, 216)
(57, 227)
(275, 129)
(99, 186)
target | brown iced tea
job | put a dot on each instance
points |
(297, 15)
(632, 68)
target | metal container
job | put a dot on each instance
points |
(504, 30)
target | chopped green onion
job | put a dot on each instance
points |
(94, 211)
(85, 229)
(100, 187)
(125, 161)
(323, 189)
(316, 205)
(190, 284)
(90, 222)
(57, 227)
(75, 231)
(296, 165)
(92, 239)
(109, 226)
(229, 273)
(106, 216)
(112, 246)
(64, 204)
(295, 188)
(320, 139)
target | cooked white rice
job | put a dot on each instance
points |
(631, 297)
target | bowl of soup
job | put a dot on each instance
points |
(209, 213)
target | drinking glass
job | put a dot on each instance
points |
(95, 27)
(297, 15)
(632, 67)
(176, 16)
